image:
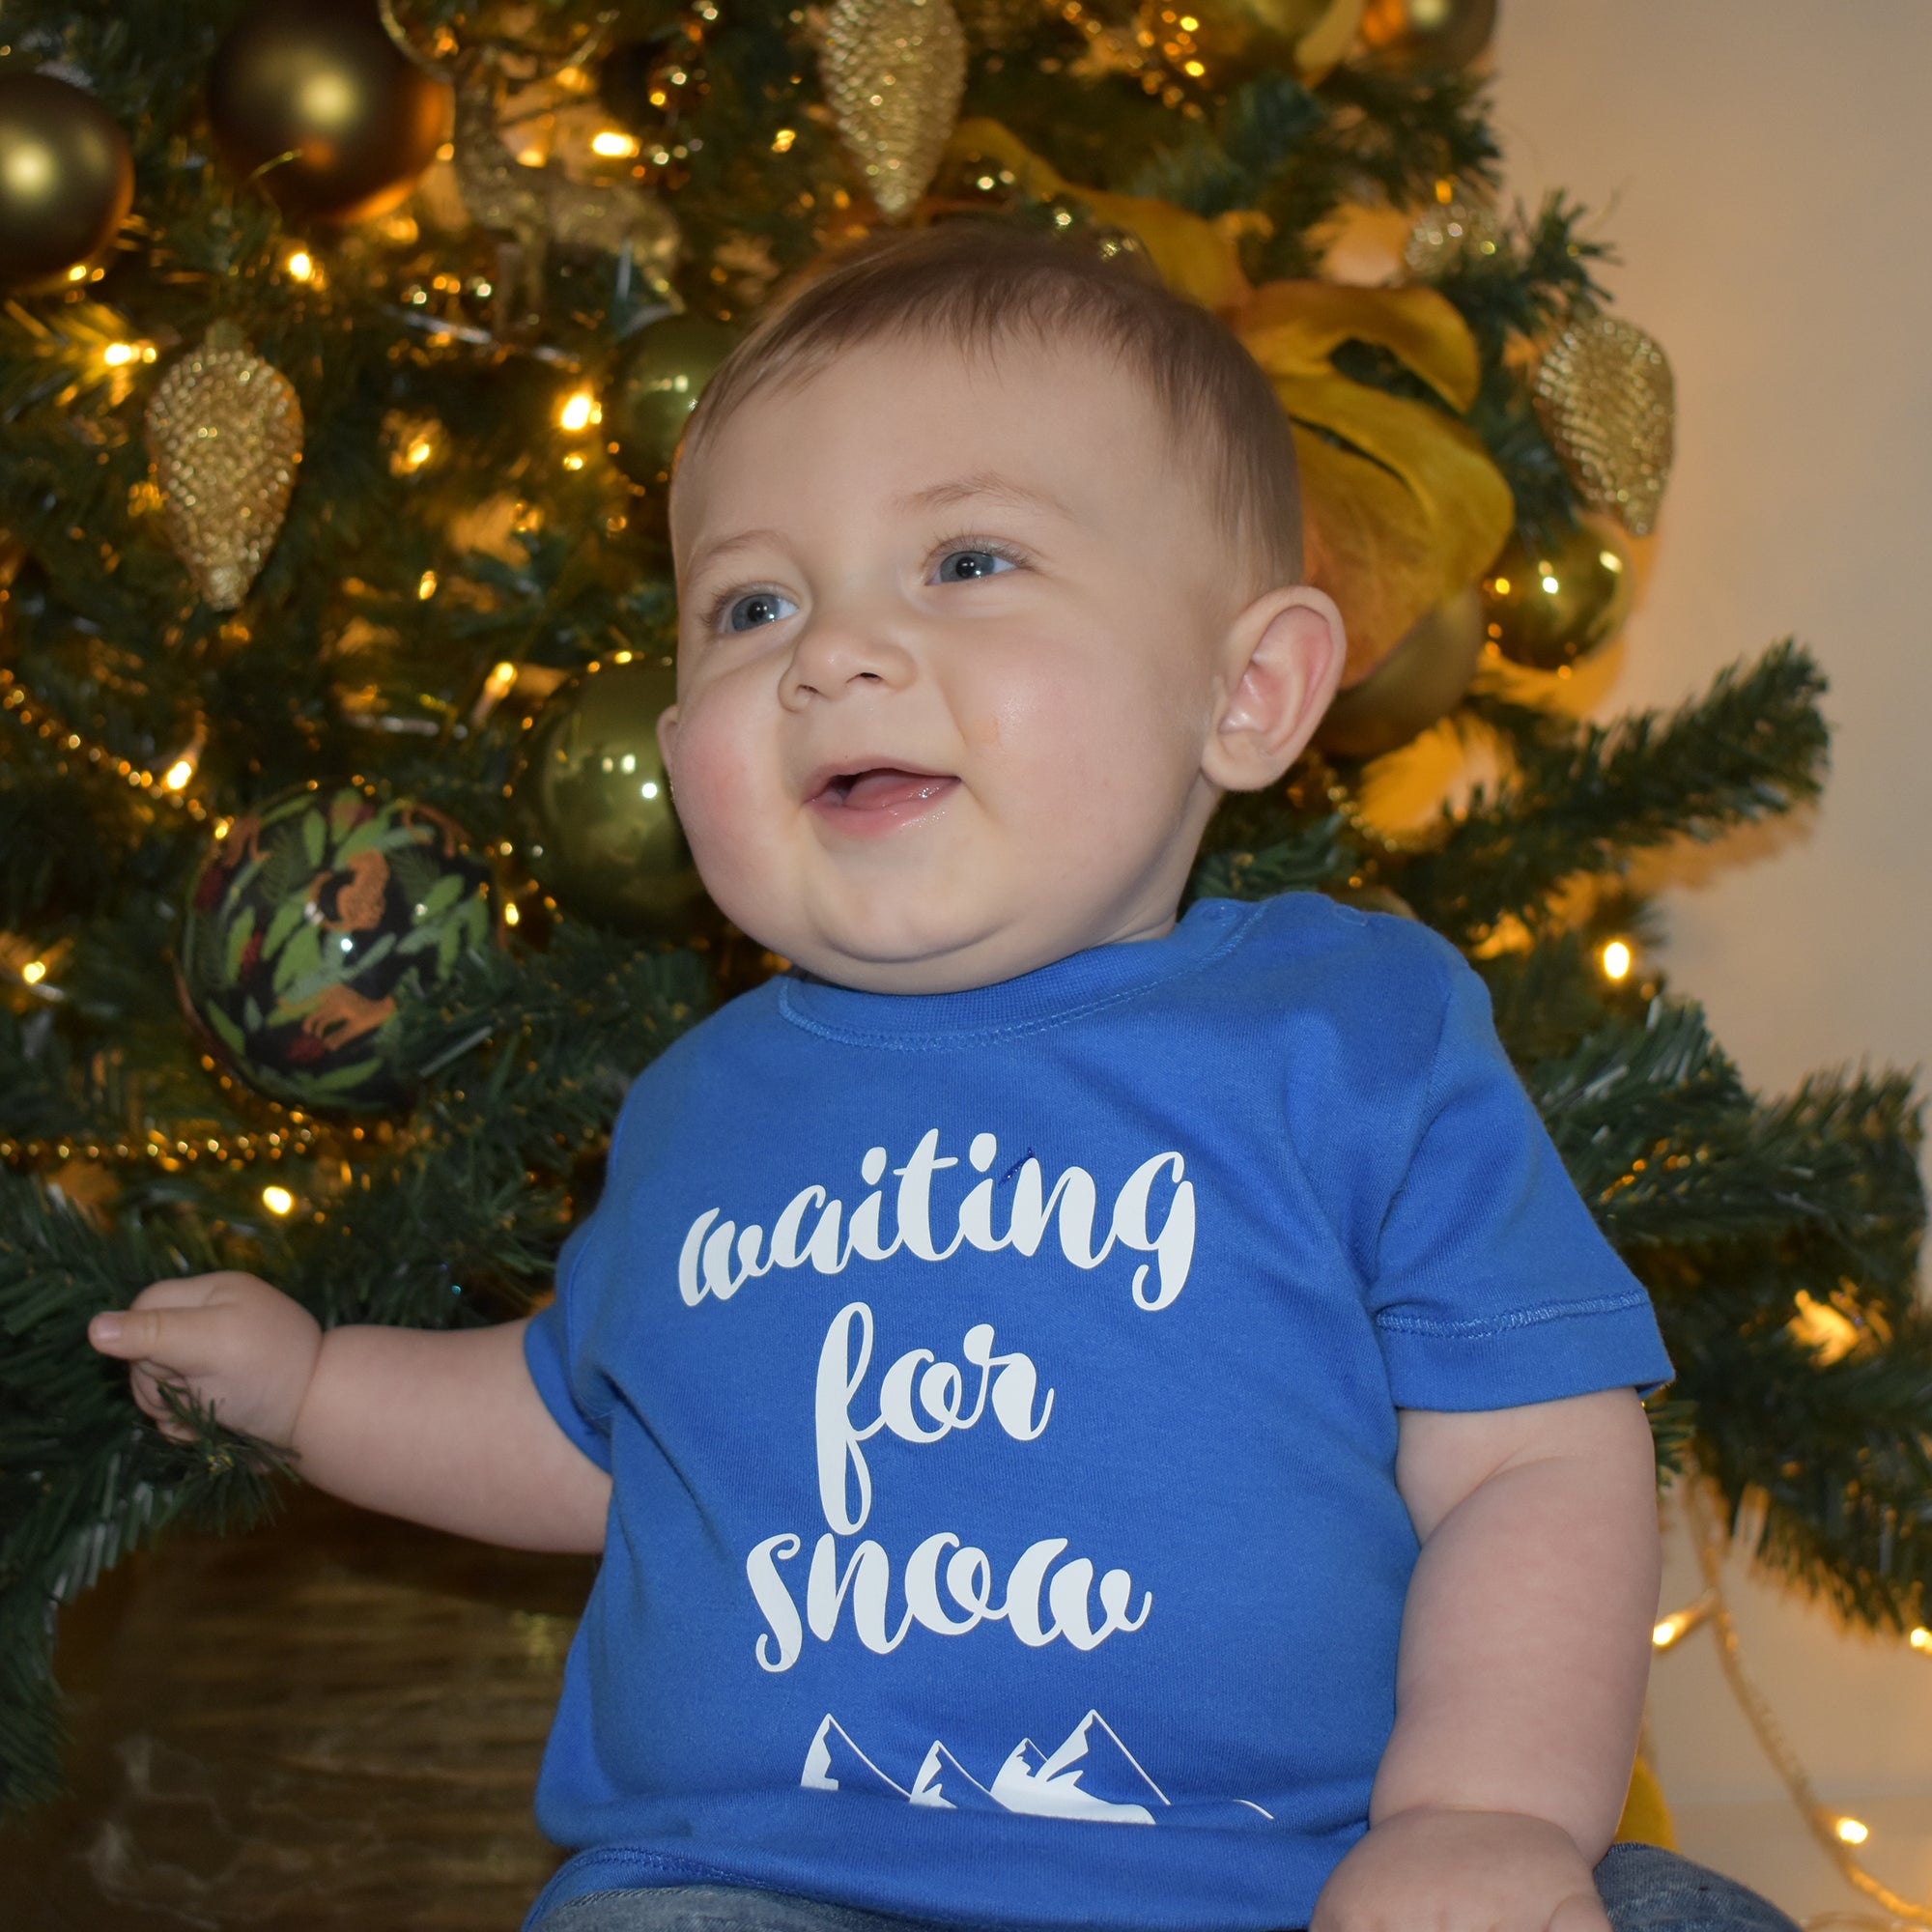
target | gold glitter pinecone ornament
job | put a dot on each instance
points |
(893, 72)
(1608, 405)
(225, 431)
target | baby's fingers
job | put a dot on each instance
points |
(158, 1394)
(1580, 1912)
(177, 1336)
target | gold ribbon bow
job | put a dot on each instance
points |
(1401, 506)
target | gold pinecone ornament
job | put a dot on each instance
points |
(893, 72)
(225, 433)
(1608, 405)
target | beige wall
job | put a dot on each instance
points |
(1766, 172)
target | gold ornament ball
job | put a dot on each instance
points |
(1420, 680)
(1554, 605)
(1439, 36)
(654, 387)
(976, 184)
(67, 179)
(1448, 234)
(599, 830)
(325, 85)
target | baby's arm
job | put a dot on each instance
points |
(440, 1428)
(1525, 1648)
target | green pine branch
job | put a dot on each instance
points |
(1586, 798)
(83, 1479)
(1839, 1454)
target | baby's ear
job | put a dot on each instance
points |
(1281, 663)
(666, 733)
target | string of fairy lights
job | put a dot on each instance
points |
(1838, 1833)
(169, 784)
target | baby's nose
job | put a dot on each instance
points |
(835, 655)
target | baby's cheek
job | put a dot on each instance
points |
(719, 790)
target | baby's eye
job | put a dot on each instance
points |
(964, 566)
(759, 607)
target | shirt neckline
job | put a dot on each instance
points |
(1050, 996)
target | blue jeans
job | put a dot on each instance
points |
(1643, 1889)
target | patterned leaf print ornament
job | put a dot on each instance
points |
(1609, 404)
(893, 72)
(225, 433)
(312, 923)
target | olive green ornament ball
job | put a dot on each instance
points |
(67, 179)
(312, 923)
(1556, 603)
(653, 388)
(1420, 680)
(594, 805)
(325, 86)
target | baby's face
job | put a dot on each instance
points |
(949, 649)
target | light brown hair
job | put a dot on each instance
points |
(976, 284)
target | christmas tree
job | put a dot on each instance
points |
(342, 366)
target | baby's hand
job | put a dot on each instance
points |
(1461, 1871)
(239, 1346)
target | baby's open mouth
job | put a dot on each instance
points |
(889, 789)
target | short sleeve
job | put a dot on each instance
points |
(553, 1359)
(1494, 1286)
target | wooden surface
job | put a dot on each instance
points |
(333, 1721)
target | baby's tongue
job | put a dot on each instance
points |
(876, 790)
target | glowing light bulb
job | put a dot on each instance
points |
(501, 678)
(781, 141)
(278, 1200)
(1852, 1831)
(118, 354)
(418, 453)
(1616, 961)
(1549, 583)
(300, 264)
(1610, 561)
(34, 971)
(426, 585)
(1194, 69)
(616, 143)
(511, 916)
(574, 414)
(1502, 586)
(1920, 1638)
(176, 774)
(78, 272)
(649, 788)
(572, 461)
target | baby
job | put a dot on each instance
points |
(1091, 1418)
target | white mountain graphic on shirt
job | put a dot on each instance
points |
(835, 1763)
(1092, 1776)
(941, 1784)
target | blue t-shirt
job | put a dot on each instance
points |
(1000, 1392)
